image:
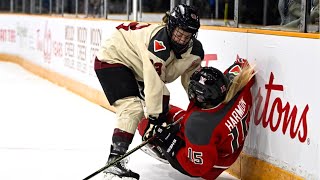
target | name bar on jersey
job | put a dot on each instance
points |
(237, 115)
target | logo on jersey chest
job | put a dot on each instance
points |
(158, 46)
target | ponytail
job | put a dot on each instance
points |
(240, 81)
(165, 18)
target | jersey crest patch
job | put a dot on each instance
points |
(159, 46)
(235, 70)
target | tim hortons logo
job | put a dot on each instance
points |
(286, 114)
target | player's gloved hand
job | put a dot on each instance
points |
(242, 62)
(152, 122)
(156, 120)
(167, 139)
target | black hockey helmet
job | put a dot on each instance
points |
(208, 86)
(185, 17)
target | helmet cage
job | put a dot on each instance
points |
(186, 18)
(208, 86)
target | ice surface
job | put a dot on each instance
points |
(50, 133)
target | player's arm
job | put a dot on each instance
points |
(175, 114)
(196, 160)
(190, 159)
(185, 77)
(189, 156)
(197, 54)
(154, 87)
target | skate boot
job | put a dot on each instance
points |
(155, 152)
(119, 171)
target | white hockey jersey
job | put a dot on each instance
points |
(145, 49)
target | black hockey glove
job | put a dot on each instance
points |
(152, 122)
(167, 139)
(156, 121)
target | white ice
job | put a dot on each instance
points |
(50, 133)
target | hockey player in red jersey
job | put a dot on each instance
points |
(134, 65)
(212, 131)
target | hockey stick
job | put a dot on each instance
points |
(128, 153)
(120, 158)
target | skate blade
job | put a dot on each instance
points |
(152, 154)
(128, 178)
(109, 176)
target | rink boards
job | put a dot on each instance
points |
(283, 140)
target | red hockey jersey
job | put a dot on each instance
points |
(213, 137)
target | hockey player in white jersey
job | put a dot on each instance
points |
(134, 65)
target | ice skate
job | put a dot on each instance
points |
(110, 176)
(119, 171)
